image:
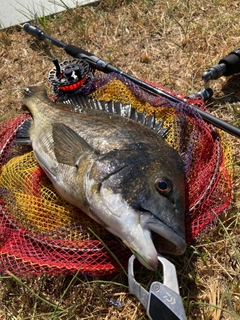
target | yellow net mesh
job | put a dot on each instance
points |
(35, 203)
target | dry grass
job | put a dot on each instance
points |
(168, 42)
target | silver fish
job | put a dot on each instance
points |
(119, 172)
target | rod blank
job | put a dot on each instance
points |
(106, 67)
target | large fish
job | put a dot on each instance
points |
(119, 172)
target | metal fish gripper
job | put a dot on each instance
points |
(163, 300)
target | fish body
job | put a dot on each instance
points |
(119, 172)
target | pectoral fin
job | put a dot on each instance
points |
(69, 147)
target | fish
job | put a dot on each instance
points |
(121, 173)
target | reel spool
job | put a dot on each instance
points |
(69, 75)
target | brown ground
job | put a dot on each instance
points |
(171, 43)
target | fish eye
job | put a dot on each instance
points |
(163, 185)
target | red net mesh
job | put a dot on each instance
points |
(40, 233)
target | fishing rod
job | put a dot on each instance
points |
(227, 66)
(107, 67)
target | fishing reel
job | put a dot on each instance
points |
(69, 75)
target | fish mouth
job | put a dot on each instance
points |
(169, 241)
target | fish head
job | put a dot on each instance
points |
(143, 191)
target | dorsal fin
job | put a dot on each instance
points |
(78, 102)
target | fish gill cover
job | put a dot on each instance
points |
(41, 233)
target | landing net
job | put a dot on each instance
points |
(41, 233)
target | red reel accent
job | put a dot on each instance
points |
(74, 86)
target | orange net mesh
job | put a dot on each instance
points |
(41, 233)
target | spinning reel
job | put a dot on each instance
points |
(69, 75)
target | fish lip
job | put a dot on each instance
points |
(159, 227)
